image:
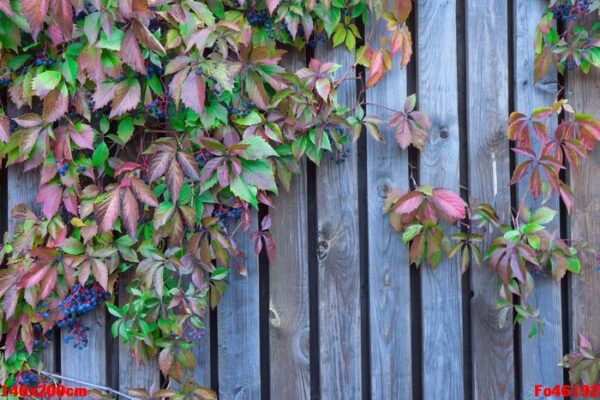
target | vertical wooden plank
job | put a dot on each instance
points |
(238, 328)
(338, 255)
(389, 269)
(440, 288)
(22, 188)
(88, 364)
(288, 285)
(131, 374)
(489, 176)
(585, 220)
(541, 350)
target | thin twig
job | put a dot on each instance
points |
(103, 388)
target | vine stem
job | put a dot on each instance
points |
(103, 388)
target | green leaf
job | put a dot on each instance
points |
(72, 246)
(112, 42)
(251, 119)
(45, 82)
(125, 129)
(543, 215)
(114, 310)
(339, 36)
(244, 191)
(100, 155)
(574, 265)
(410, 233)
(257, 148)
(219, 274)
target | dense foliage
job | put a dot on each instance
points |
(158, 127)
(565, 40)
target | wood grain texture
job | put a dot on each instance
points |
(489, 177)
(389, 269)
(338, 255)
(440, 288)
(289, 325)
(238, 328)
(538, 354)
(131, 374)
(88, 364)
(585, 220)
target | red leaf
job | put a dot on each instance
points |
(402, 9)
(408, 203)
(62, 14)
(11, 337)
(543, 62)
(50, 195)
(270, 246)
(4, 128)
(145, 37)
(165, 360)
(56, 104)
(159, 162)
(6, 8)
(100, 272)
(376, 69)
(130, 213)
(143, 192)
(127, 97)
(107, 211)
(34, 275)
(48, 284)
(520, 172)
(35, 11)
(449, 204)
(82, 135)
(272, 5)
(188, 165)
(89, 61)
(174, 181)
(535, 183)
(131, 53)
(193, 92)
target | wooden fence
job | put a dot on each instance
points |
(340, 314)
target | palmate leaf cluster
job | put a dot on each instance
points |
(519, 248)
(159, 128)
(567, 37)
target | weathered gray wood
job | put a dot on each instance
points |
(585, 220)
(538, 354)
(489, 176)
(131, 374)
(338, 254)
(89, 364)
(288, 285)
(238, 328)
(440, 288)
(389, 270)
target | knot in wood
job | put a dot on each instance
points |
(444, 132)
(384, 188)
(322, 250)
(274, 318)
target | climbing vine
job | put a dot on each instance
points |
(158, 128)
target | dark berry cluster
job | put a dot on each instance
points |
(257, 18)
(28, 378)
(316, 39)
(202, 157)
(62, 167)
(224, 212)
(158, 109)
(80, 301)
(78, 335)
(43, 60)
(153, 69)
(243, 109)
(568, 11)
